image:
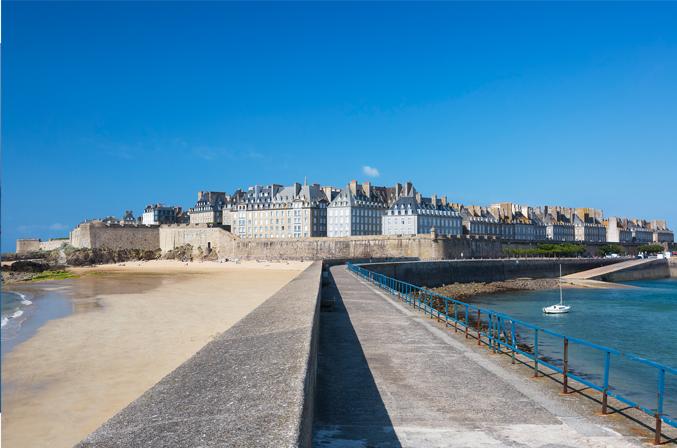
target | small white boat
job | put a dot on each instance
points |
(559, 308)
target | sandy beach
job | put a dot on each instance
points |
(132, 324)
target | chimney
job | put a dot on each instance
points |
(199, 195)
(444, 200)
(418, 197)
(366, 188)
(433, 200)
(398, 190)
(353, 187)
(297, 188)
(408, 187)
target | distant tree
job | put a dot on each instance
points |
(611, 248)
(651, 248)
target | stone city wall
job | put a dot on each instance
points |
(24, 246)
(200, 236)
(99, 235)
(203, 237)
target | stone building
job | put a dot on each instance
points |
(588, 225)
(413, 214)
(558, 225)
(641, 233)
(357, 210)
(661, 232)
(209, 208)
(156, 214)
(519, 222)
(283, 212)
(617, 230)
(478, 220)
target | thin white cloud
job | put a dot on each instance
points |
(58, 226)
(370, 171)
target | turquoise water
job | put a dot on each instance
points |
(641, 321)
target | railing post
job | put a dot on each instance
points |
(565, 368)
(605, 390)
(479, 334)
(467, 321)
(446, 313)
(535, 352)
(659, 407)
(492, 331)
(513, 339)
(455, 318)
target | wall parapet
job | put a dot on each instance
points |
(251, 386)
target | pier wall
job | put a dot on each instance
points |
(437, 273)
(253, 385)
(647, 271)
(672, 263)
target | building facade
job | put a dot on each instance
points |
(412, 214)
(156, 214)
(356, 210)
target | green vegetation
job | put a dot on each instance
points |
(549, 250)
(52, 275)
(651, 248)
(611, 248)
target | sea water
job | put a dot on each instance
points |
(641, 320)
(24, 311)
(14, 305)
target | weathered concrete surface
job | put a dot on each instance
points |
(672, 262)
(253, 386)
(437, 273)
(629, 270)
(389, 378)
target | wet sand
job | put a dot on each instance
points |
(131, 325)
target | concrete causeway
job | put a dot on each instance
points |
(390, 377)
(252, 386)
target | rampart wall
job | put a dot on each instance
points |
(203, 237)
(24, 246)
(199, 236)
(98, 235)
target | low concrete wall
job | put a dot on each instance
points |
(673, 266)
(437, 273)
(647, 271)
(252, 386)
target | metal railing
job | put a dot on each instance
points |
(499, 332)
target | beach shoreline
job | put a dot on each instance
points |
(131, 324)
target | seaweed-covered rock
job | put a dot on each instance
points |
(28, 266)
(85, 257)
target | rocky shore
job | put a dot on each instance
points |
(466, 291)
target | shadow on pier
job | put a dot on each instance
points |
(349, 409)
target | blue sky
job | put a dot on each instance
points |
(110, 106)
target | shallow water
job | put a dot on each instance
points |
(641, 321)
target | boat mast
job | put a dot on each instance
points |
(561, 300)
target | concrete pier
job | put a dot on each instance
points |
(389, 377)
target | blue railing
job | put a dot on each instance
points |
(499, 332)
